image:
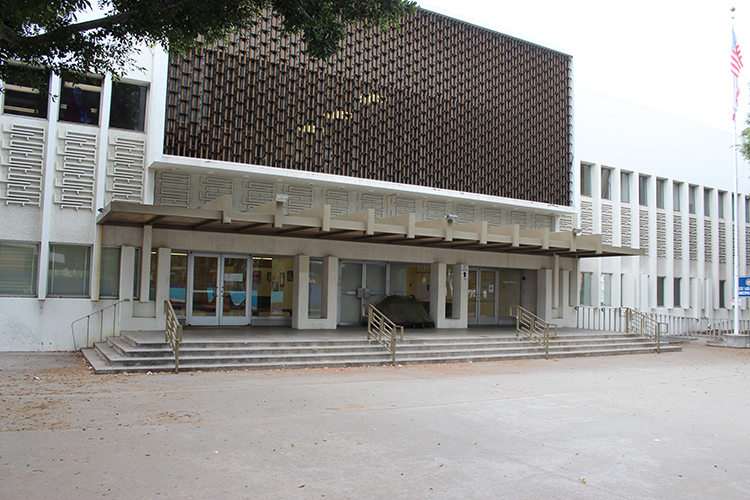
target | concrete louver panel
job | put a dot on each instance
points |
(316, 222)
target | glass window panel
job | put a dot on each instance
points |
(449, 292)
(22, 96)
(272, 286)
(128, 108)
(660, 291)
(676, 200)
(660, 194)
(18, 268)
(178, 264)
(315, 289)
(707, 202)
(585, 179)
(79, 102)
(692, 195)
(586, 299)
(625, 187)
(606, 289)
(69, 268)
(678, 292)
(152, 277)
(136, 273)
(109, 273)
(606, 183)
(722, 200)
(643, 190)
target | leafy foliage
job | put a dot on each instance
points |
(50, 34)
(744, 144)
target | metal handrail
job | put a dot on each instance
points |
(173, 333)
(115, 324)
(382, 329)
(643, 325)
(533, 327)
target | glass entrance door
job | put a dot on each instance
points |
(482, 297)
(361, 283)
(218, 290)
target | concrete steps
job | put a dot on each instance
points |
(130, 354)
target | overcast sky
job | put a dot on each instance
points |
(669, 55)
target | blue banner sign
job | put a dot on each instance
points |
(743, 289)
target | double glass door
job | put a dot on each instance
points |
(217, 290)
(361, 283)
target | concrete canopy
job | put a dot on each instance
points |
(269, 219)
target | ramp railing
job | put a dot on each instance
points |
(173, 333)
(101, 325)
(382, 329)
(533, 327)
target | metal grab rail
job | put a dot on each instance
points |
(115, 323)
(533, 327)
(173, 333)
(644, 325)
(383, 330)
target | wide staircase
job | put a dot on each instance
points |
(133, 352)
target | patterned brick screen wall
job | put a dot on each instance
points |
(438, 103)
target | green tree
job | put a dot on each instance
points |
(744, 145)
(71, 37)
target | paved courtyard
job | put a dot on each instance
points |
(669, 426)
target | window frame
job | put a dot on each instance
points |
(85, 279)
(586, 188)
(586, 296)
(90, 86)
(33, 272)
(643, 190)
(606, 183)
(624, 187)
(115, 273)
(692, 199)
(26, 88)
(115, 117)
(661, 188)
(605, 284)
(707, 202)
(660, 291)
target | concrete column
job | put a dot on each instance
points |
(644, 293)
(544, 294)
(438, 291)
(50, 155)
(127, 257)
(145, 263)
(301, 291)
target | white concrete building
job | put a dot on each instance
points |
(664, 185)
(247, 186)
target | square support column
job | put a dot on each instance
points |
(301, 295)
(438, 292)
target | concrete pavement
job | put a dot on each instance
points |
(669, 426)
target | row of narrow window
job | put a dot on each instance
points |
(661, 186)
(605, 291)
(80, 102)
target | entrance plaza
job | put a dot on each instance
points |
(647, 426)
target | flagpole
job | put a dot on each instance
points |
(736, 238)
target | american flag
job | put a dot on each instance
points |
(736, 67)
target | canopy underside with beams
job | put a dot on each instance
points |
(318, 223)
